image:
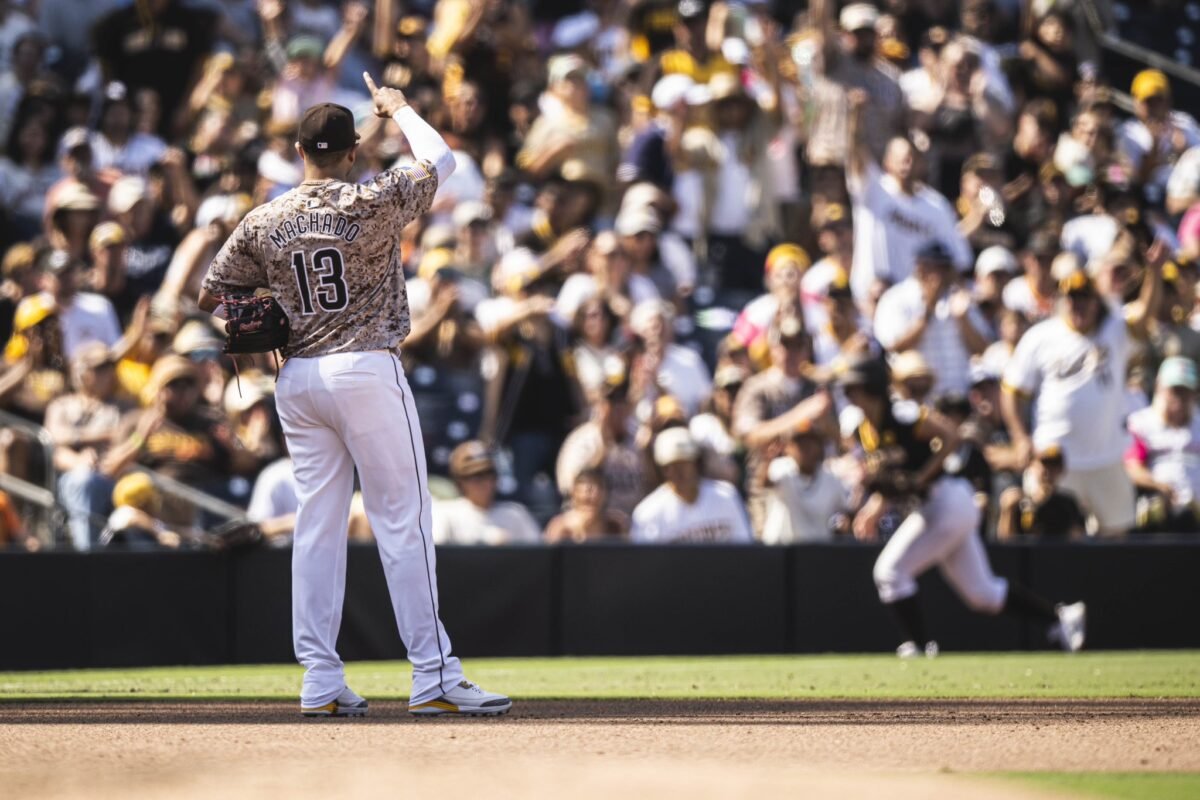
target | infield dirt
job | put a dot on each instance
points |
(583, 749)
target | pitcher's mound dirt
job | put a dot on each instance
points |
(582, 749)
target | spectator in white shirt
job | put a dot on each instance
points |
(894, 214)
(476, 517)
(676, 370)
(117, 144)
(1072, 369)
(1164, 457)
(84, 316)
(1036, 292)
(931, 313)
(805, 497)
(687, 508)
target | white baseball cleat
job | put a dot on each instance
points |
(346, 704)
(1071, 629)
(931, 649)
(909, 649)
(465, 699)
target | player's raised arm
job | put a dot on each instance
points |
(426, 143)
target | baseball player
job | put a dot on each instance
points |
(329, 251)
(904, 446)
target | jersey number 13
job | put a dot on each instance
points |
(331, 292)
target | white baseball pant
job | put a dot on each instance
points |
(1107, 493)
(340, 411)
(942, 533)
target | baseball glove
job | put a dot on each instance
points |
(234, 535)
(255, 324)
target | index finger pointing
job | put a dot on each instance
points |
(370, 83)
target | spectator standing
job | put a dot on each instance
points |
(476, 517)
(894, 215)
(687, 508)
(931, 313)
(155, 45)
(1072, 367)
(851, 63)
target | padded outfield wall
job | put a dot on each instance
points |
(110, 609)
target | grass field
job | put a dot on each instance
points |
(1005, 725)
(984, 676)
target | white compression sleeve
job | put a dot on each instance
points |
(425, 142)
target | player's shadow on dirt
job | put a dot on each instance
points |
(639, 712)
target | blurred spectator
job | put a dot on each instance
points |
(532, 395)
(1159, 134)
(176, 435)
(1072, 366)
(28, 169)
(606, 443)
(571, 138)
(930, 312)
(155, 45)
(850, 63)
(134, 523)
(594, 353)
(476, 517)
(117, 144)
(273, 503)
(895, 215)
(83, 425)
(34, 359)
(772, 403)
(1035, 294)
(1039, 507)
(588, 518)
(608, 276)
(784, 269)
(85, 316)
(662, 366)
(688, 508)
(1161, 459)
(712, 428)
(150, 236)
(805, 498)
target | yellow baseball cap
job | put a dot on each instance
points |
(788, 252)
(1149, 83)
(137, 491)
(32, 310)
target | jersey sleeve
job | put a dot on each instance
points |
(867, 189)
(238, 264)
(1022, 375)
(406, 191)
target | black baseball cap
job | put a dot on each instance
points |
(327, 128)
(936, 252)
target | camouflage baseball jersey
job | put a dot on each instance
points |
(329, 251)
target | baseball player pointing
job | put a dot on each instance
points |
(329, 252)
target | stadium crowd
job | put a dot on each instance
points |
(672, 225)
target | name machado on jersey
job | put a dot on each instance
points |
(329, 251)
